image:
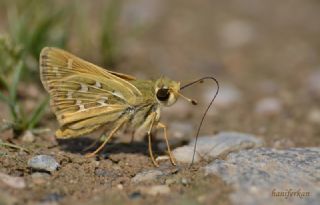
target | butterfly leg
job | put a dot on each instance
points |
(107, 139)
(160, 125)
(149, 140)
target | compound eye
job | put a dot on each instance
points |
(163, 94)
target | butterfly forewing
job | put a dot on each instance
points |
(83, 96)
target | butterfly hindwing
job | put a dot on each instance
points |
(82, 95)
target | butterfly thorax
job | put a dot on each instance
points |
(155, 94)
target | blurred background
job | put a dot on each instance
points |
(265, 55)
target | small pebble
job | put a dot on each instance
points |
(148, 175)
(156, 190)
(119, 186)
(162, 158)
(184, 154)
(28, 136)
(14, 182)
(43, 163)
(184, 181)
(269, 106)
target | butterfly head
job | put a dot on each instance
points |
(166, 91)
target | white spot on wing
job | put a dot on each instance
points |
(103, 101)
(84, 87)
(117, 94)
(98, 84)
(81, 106)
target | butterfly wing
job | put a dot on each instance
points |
(83, 96)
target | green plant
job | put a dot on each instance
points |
(109, 40)
(32, 25)
(35, 24)
(9, 95)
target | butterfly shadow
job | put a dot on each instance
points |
(81, 144)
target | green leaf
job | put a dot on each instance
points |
(15, 81)
(37, 114)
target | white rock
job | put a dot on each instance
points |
(28, 136)
(210, 147)
(258, 175)
(184, 154)
(44, 163)
(14, 182)
(269, 106)
(156, 190)
(148, 175)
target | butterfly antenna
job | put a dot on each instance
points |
(206, 111)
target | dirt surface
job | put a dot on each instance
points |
(267, 49)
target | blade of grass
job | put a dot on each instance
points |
(37, 114)
(14, 106)
(5, 144)
(15, 81)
